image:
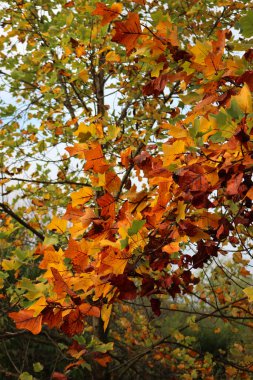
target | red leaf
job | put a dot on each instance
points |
(234, 183)
(51, 317)
(205, 250)
(247, 77)
(69, 4)
(155, 304)
(192, 179)
(128, 32)
(73, 323)
(59, 376)
(141, 2)
(156, 86)
(125, 286)
(107, 203)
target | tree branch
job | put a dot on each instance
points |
(8, 211)
(127, 173)
(46, 182)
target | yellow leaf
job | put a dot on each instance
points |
(180, 211)
(156, 70)
(177, 132)
(38, 306)
(105, 314)
(112, 57)
(83, 75)
(11, 264)
(200, 51)
(58, 225)
(178, 147)
(78, 229)
(113, 132)
(244, 100)
(69, 18)
(82, 196)
(101, 179)
(249, 292)
(44, 89)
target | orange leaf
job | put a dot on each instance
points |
(95, 159)
(104, 360)
(77, 252)
(72, 213)
(128, 32)
(112, 182)
(24, 319)
(107, 203)
(108, 14)
(77, 149)
(171, 247)
(60, 285)
(87, 309)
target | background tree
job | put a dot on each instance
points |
(126, 171)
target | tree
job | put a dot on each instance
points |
(126, 177)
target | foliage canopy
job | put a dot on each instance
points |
(126, 177)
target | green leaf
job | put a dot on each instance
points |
(38, 367)
(136, 226)
(246, 25)
(103, 348)
(25, 376)
(235, 111)
(124, 243)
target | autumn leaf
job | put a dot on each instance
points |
(77, 251)
(95, 159)
(127, 32)
(72, 323)
(171, 247)
(105, 314)
(244, 99)
(171, 151)
(87, 309)
(58, 225)
(52, 317)
(249, 292)
(103, 360)
(82, 196)
(60, 285)
(234, 183)
(108, 13)
(24, 319)
(107, 204)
